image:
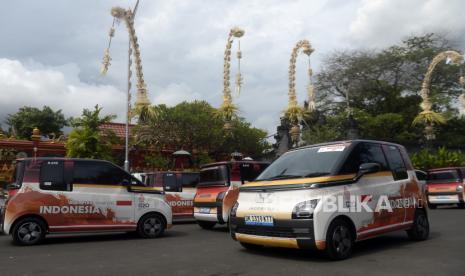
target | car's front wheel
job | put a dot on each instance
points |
(151, 226)
(420, 228)
(29, 231)
(339, 240)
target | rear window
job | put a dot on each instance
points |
(217, 175)
(443, 176)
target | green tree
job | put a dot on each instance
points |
(194, 126)
(383, 88)
(27, 118)
(157, 161)
(87, 140)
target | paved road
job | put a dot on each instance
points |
(188, 250)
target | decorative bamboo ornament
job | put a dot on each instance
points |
(120, 14)
(294, 112)
(228, 110)
(428, 116)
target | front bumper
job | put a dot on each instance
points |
(295, 233)
(216, 211)
(445, 198)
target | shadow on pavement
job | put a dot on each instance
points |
(104, 237)
(362, 248)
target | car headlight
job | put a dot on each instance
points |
(304, 210)
(459, 188)
(234, 209)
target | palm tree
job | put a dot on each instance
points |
(87, 140)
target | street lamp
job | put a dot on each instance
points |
(428, 117)
(142, 100)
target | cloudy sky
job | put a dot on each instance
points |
(50, 51)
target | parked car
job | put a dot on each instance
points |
(218, 189)
(58, 195)
(446, 186)
(329, 196)
(179, 186)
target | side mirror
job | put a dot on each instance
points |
(13, 186)
(367, 168)
(126, 182)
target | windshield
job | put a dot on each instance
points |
(443, 176)
(308, 162)
(212, 176)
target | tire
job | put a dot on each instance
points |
(208, 225)
(251, 246)
(339, 240)
(29, 231)
(420, 228)
(461, 205)
(432, 206)
(151, 226)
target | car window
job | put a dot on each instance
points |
(443, 176)
(396, 163)
(306, 162)
(421, 175)
(52, 176)
(217, 175)
(103, 173)
(190, 180)
(364, 153)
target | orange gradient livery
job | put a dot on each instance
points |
(56, 195)
(328, 196)
(218, 189)
(446, 186)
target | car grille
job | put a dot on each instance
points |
(269, 232)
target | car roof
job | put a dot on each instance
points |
(174, 172)
(234, 162)
(60, 159)
(355, 141)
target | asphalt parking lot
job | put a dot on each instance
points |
(188, 250)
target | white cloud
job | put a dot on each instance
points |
(380, 23)
(57, 87)
(53, 51)
(173, 94)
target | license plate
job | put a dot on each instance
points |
(204, 210)
(259, 220)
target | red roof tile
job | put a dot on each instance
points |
(118, 128)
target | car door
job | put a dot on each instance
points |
(370, 189)
(172, 185)
(103, 186)
(404, 186)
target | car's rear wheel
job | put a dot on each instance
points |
(29, 231)
(151, 226)
(206, 224)
(461, 205)
(339, 240)
(251, 246)
(420, 228)
(432, 206)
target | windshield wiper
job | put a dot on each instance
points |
(315, 174)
